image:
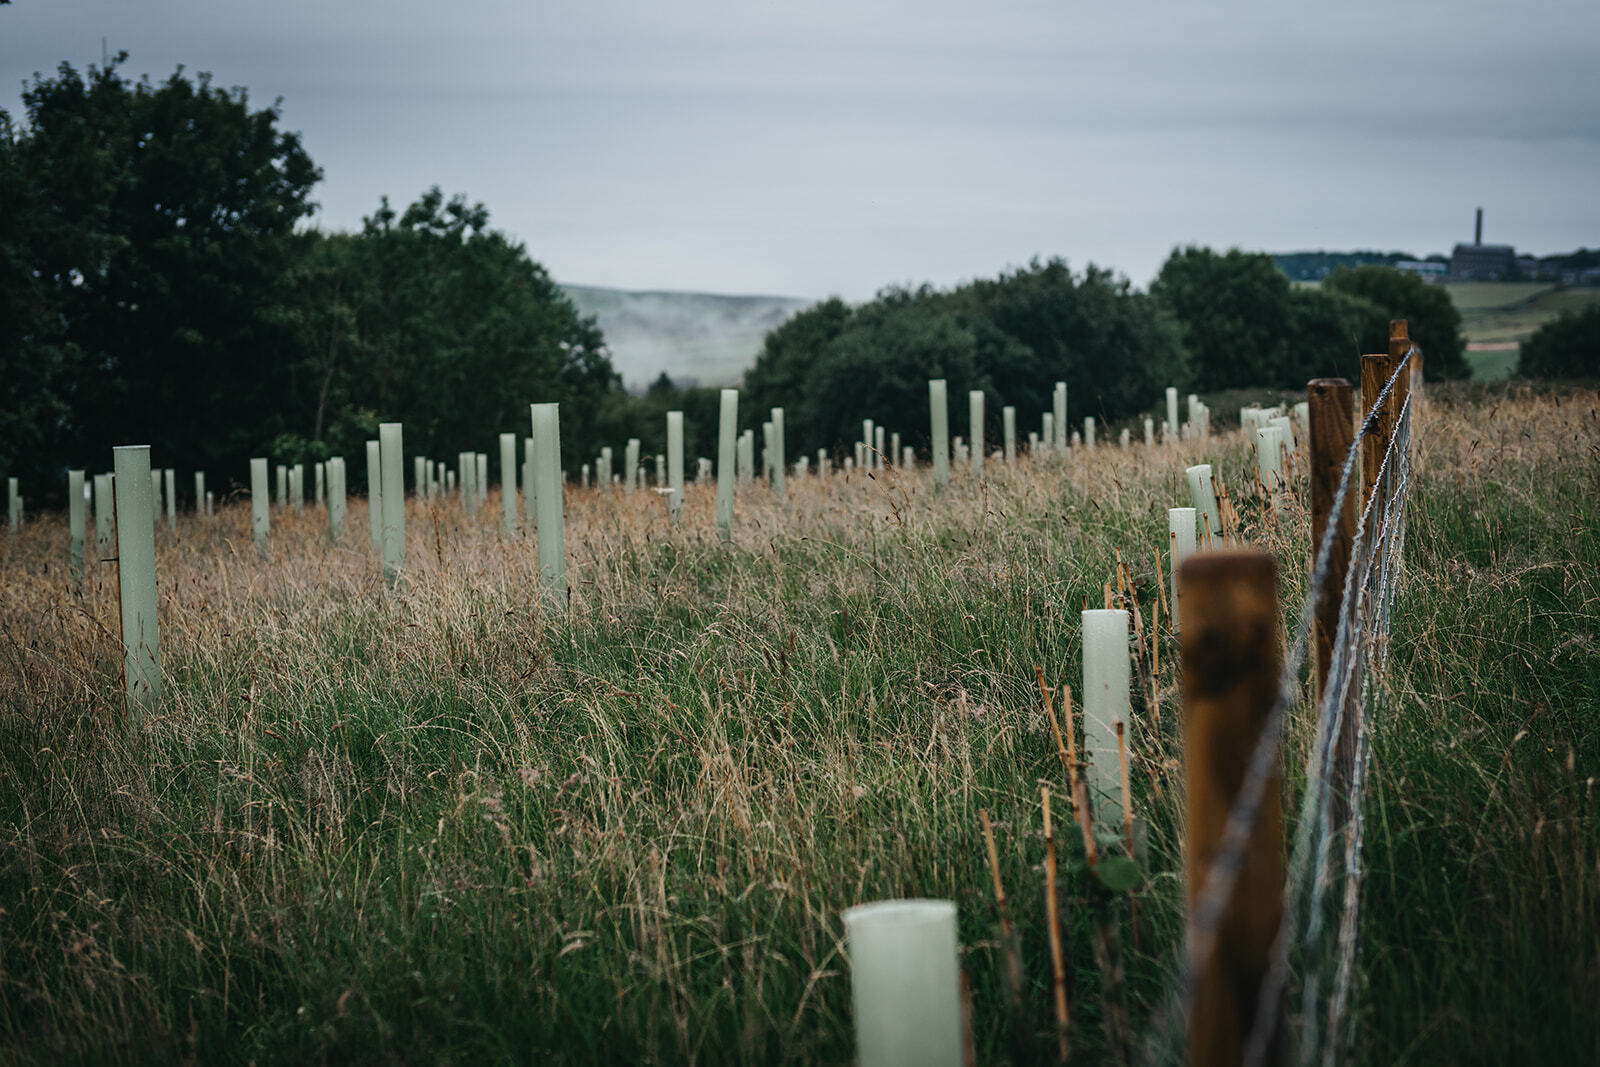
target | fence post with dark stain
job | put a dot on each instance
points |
(1231, 664)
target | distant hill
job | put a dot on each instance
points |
(696, 338)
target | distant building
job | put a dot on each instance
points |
(1479, 262)
(1483, 263)
(1430, 269)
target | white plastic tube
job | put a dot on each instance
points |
(136, 568)
(939, 417)
(868, 435)
(260, 505)
(550, 519)
(975, 429)
(1088, 432)
(1204, 495)
(894, 448)
(1172, 412)
(104, 518)
(1058, 400)
(392, 465)
(200, 504)
(170, 480)
(1008, 431)
(1106, 678)
(75, 525)
(778, 461)
(508, 483)
(375, 495)
(905, 983)
(1047, 432)
(1180, 541)
(527, 484)
(727, 461)
(675, 463)
(1149, 432)
(1269, 458)
(630, 474)
(337, 497)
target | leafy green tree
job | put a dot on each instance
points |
(431, 318)
(779, 373)
(1431, 316)
(1326, 328)
(1569, 347)
(157, 223)
(1233, 314)
(1116, 349)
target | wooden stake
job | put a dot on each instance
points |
(1052, 914)
(1230, 680)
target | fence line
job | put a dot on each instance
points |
(1358, 653)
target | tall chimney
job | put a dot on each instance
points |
(1477, 234)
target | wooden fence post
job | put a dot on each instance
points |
(1376, 370)
(1231, 663)
(1332, 422)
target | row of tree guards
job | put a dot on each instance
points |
(904, 954)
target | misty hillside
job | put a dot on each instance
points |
(704, 337)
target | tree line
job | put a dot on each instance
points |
(158, 285)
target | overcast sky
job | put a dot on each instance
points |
(835, 146)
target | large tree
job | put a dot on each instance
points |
(431, 318)
(151, 228)
(1432, 319)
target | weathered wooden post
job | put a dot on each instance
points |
(392, 467)
(727, 445)
(136, 571)
(75, 526)
(1230, 681)
(1331, 428)
(548, 509)
(905, 982)
(1107, 676)
(1008, 432)
(779, 463)
(375, 495)
(508, 483)
(1204, 495)
(939, 412)
(975, 420)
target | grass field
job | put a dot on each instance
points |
(438, 826)
(1504, 314)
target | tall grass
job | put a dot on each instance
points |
(441, 825)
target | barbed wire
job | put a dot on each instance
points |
(1379, 539)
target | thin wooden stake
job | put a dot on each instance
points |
(1053, 926)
